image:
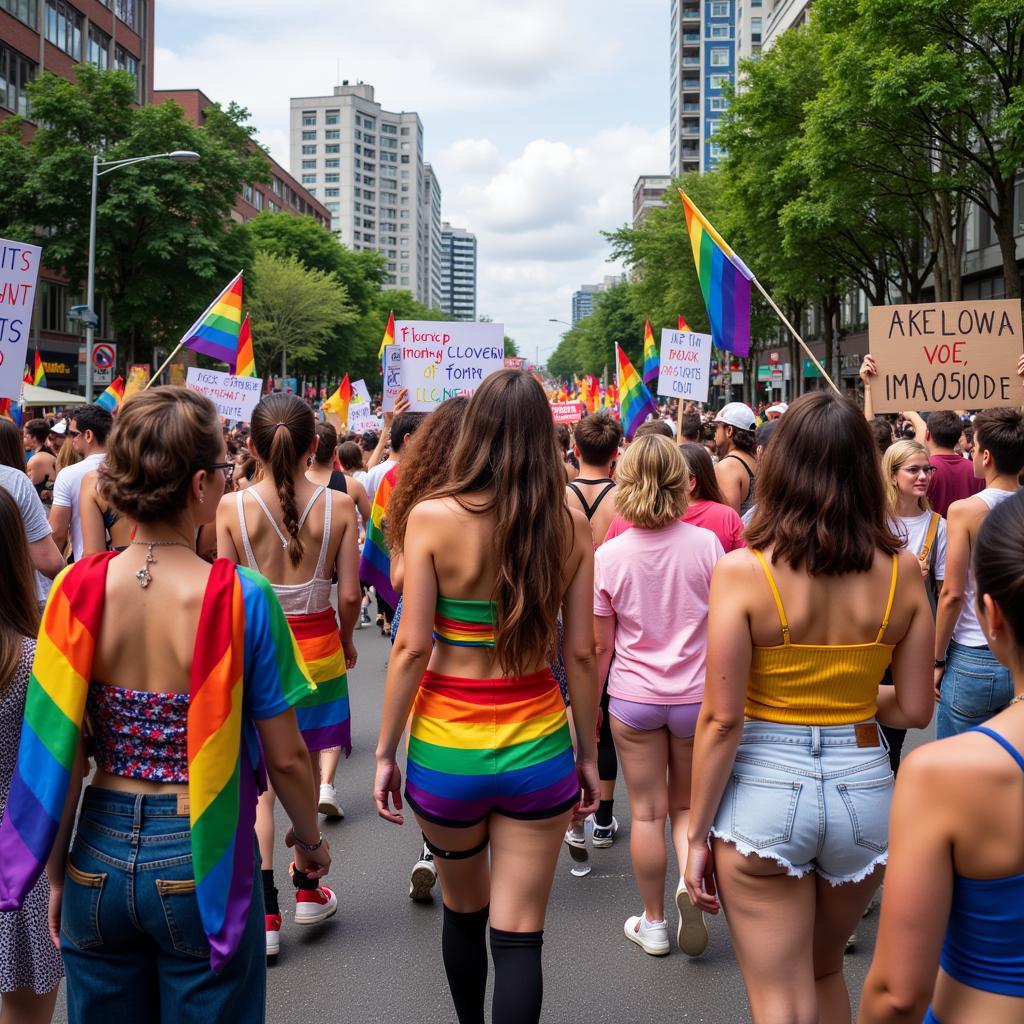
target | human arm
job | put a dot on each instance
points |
(46, 556)
(58, 858)
(868, 371)
(397, 571)
(227, 517)
(730, 481)
(357, 492)
(94, 533)
(951, 600)
(917, 422)
(604, 643)
(60, 510)
(401, 405)
(347, 567)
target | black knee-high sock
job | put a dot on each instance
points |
(518, 981)
(269, 892)
(464, 950)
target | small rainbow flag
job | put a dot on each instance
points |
(338, 403)
(682, 325)
(112, 398)
(38, 373)
(388, 339)
(635, 402)
(724, 282)
(375, 565)
(216, 332)
(245, 366)
(652, 360)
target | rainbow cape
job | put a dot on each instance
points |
(112, 398)
(652, 359)
(216, 331)
(245, 663)
(245, 364)
(724, 282)
(635, 402)
(375, 565)
(38, 373)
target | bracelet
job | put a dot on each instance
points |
(309, 847)
(940, 664)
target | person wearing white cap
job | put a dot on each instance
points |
(774, 412)
(737, 462)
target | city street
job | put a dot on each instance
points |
(379, 959)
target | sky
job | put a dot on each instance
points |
(538, 115)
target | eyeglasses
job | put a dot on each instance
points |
(918, 470)
(228, 467)
(73, 433)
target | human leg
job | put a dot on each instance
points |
(328, 803)
(23, 1006)
(692, 929)
(607, 772)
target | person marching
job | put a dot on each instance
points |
(297, 551)
(736, 444)
(489, 559)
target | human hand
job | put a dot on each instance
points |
(868, 369)
(388, 783)
(351, 654)
(590, 788)
(315, 864)
(53, 913)
(699, 877)
(937, 682)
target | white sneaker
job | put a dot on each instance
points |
(604, 835)
(423, 878)
(576, 835)
(272, 926)
(329, 805)
(651, 938)
(315, 905)
(692, 932)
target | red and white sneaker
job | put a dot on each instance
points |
(315, 905)
(272, 924)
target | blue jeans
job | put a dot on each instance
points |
(133, 944)
(975, 686)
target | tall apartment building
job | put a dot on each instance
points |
(583, 297)
(365, 164)
(702, 60)
(782, 15)
(458, 272)
(648, 193)
(431, 243)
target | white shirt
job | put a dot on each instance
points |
(374, 475)
(913, 531)
(66, 490)
(33, 515)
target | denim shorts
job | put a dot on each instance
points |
(809, 798)
(975, 686)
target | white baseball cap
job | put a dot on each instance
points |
(737, 415)
(779, 407)
(60, 427)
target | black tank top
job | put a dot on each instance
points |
(338, 482)
(590, 510)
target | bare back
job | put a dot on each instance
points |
(597, 504)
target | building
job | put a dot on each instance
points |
(702, 61)
(365, 164)
(458, 272)
(648, 193)
(749, 29)
(431, 239)
(583, 298)
(782, 15)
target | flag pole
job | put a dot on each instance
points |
(163, 366)
(679, 422)
(792, 330)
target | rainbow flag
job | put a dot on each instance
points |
(724, 282)
(112, 398)
(216, 332)
(375, 565)
(245, 365)
(27, 379)
(652, 360)
(12, 411)
(388, 339)
(635, 402)
(338, 403)
(38, 373)
(682, 325)
(591, 392)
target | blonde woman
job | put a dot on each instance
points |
(656, 683)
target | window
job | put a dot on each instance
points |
(276, 185)
(335, 148)
(124, 61)
(368, 122)
(309, 179)
(755, 30)
(23, 10)
(405, 131)
(309, 136)
(389, 129)
(309, 165)
(719, 8)
(405, 280)
(247, 193)
(98, 48)
(127, 11)
(309, 150)
(333, 116)
(719, 57)
(64, 27)
(309, 120)
(405, 160)
(332, 192)
(333, 134)
(332, 179)
(332, 163)
(718, 31)
(15, 72)
(259, 200)
(718, 103)
(333, 207)
(718, 81)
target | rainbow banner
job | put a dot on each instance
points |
(375, 564)
(112, 398)
(216, 332)
(652, 360)
(724, 282)
(38, 373)
(635, 402)
(245, 366)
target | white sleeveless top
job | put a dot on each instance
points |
(296, 598)
(968, 630)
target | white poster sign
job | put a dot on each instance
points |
(19, 272)
(235, 397)
(685, 365)
(392, 376)
(442, 360)
(360, 410)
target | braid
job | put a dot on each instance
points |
(282, 459)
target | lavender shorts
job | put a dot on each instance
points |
(679, 719)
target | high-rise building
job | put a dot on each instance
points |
(365, 164)
(583, 297)
(648, 193)
(702, 61)
(431, 238)
(749, 29)
(458, 272)
(782, 15)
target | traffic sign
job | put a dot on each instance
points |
(104, 355)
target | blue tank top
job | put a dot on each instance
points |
(983, 946)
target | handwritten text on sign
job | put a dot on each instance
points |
(442, 360)
(567, 412)
(945, 355)
(235, 397)
(685, 365)
(392, 376)
(19, 270)
(360, 410)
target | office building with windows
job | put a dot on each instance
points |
(583, 298)
(365, 164)
(458, 272)
(431, 238)
(782, 15)
(648, 193)
(702, 61)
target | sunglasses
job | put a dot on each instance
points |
(73, 433)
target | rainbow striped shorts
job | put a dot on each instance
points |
(478, 746)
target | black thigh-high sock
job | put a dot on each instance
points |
(464, 950)
(269, 892)
(518, 981)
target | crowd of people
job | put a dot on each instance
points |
(733, 608)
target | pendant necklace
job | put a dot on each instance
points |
(144, 576)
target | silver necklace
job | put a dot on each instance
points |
(144, 576)
(1017, 699)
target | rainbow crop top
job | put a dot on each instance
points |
(463, 623)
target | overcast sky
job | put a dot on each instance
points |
(538, 115)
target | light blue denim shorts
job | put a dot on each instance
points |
(810, 798)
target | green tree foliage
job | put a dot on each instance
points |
(589, 347)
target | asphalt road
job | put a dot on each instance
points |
(379, 958)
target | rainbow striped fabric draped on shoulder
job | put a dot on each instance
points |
(375, 564)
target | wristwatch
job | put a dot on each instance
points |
(940, 664)
(310, 847)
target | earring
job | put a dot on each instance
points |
(309, 460)
(202, 497)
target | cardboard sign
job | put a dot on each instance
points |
(19, 271)
(234, 397)
(685, 370)
(442, 360)
(360, 410)
(946, 355)
(567, 412)
(392, 376)
(514, 362)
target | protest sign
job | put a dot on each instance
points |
(685, 370)
(567, 412)
(514, 362)
(137, 378)
(442, 360)
(360, 410)
(19, 271)
(946, 355)
(392, 376)
(234, 397)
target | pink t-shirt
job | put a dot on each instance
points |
(656, 583)
(722, 520)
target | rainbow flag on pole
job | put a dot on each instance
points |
(682, 325)
(375, 564)
(245, 366)
(388, 339)
(216, 332)
(112, 398)
(724, 282)
(339, 402)
(11, 410)
(38, 373)
(635, 402)
(652, 360)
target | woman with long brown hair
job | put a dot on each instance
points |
(490, 557)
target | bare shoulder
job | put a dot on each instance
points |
(955, 768)
(966, 512)
(341, 502)
(431, 513)
(738, 566)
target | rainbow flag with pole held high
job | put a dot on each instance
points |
(245, 364)
(217, 330)
(635, 402)
(112, 397)
(375, 564)
(388, 339)
(724, 282)
(652, 359)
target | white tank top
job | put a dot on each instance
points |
(968, 630)
(296, 598)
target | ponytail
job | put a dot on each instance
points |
(281, 465)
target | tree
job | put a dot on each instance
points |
(511, 348)
(294, 310)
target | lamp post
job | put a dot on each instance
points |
(555, 320)
(184, 156)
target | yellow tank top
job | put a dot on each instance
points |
(817, 684)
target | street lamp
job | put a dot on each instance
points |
(182, 156)
(555, 320)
